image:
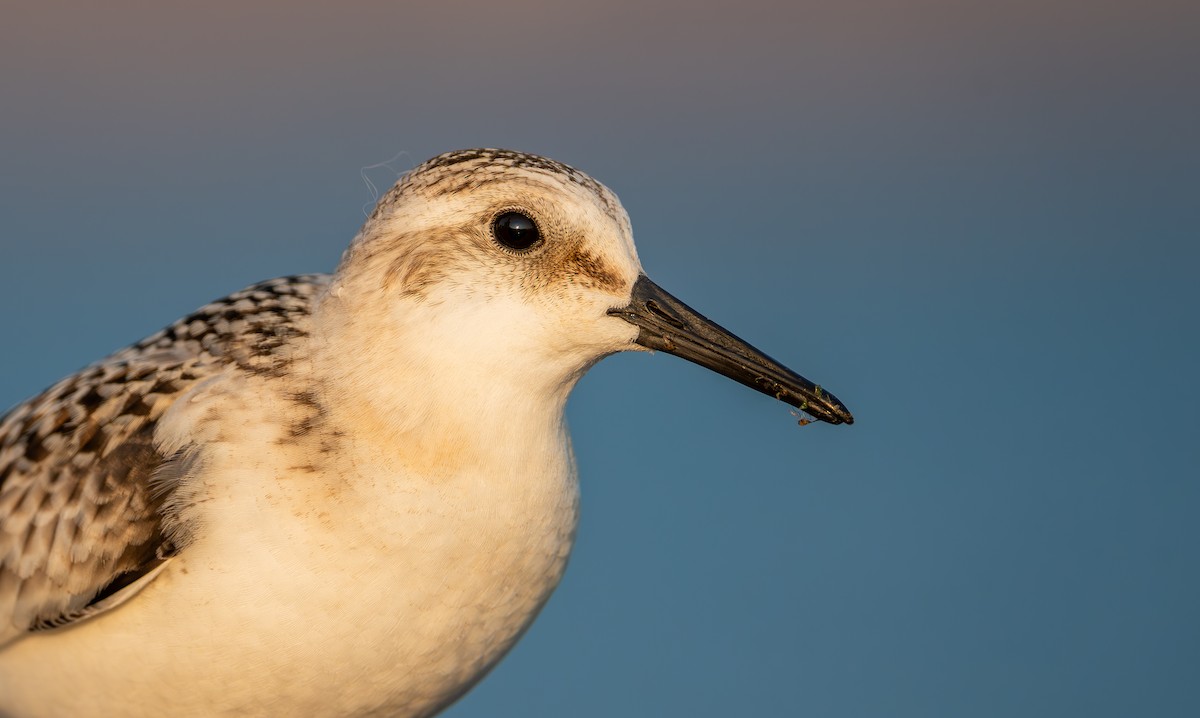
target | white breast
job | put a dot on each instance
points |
(358, 588)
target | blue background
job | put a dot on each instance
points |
(978, 225)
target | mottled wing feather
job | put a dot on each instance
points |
(80, 514)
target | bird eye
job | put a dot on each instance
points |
(516, 231)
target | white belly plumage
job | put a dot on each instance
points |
(354, 612)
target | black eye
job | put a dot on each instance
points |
(516, 231)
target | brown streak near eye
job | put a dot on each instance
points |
(592, 270)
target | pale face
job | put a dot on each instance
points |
(517, 260)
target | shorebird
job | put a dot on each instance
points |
(335, 495)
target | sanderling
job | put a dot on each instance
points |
(335, 495)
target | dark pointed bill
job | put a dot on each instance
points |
(667, 324)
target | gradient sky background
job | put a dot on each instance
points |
(977, 224)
